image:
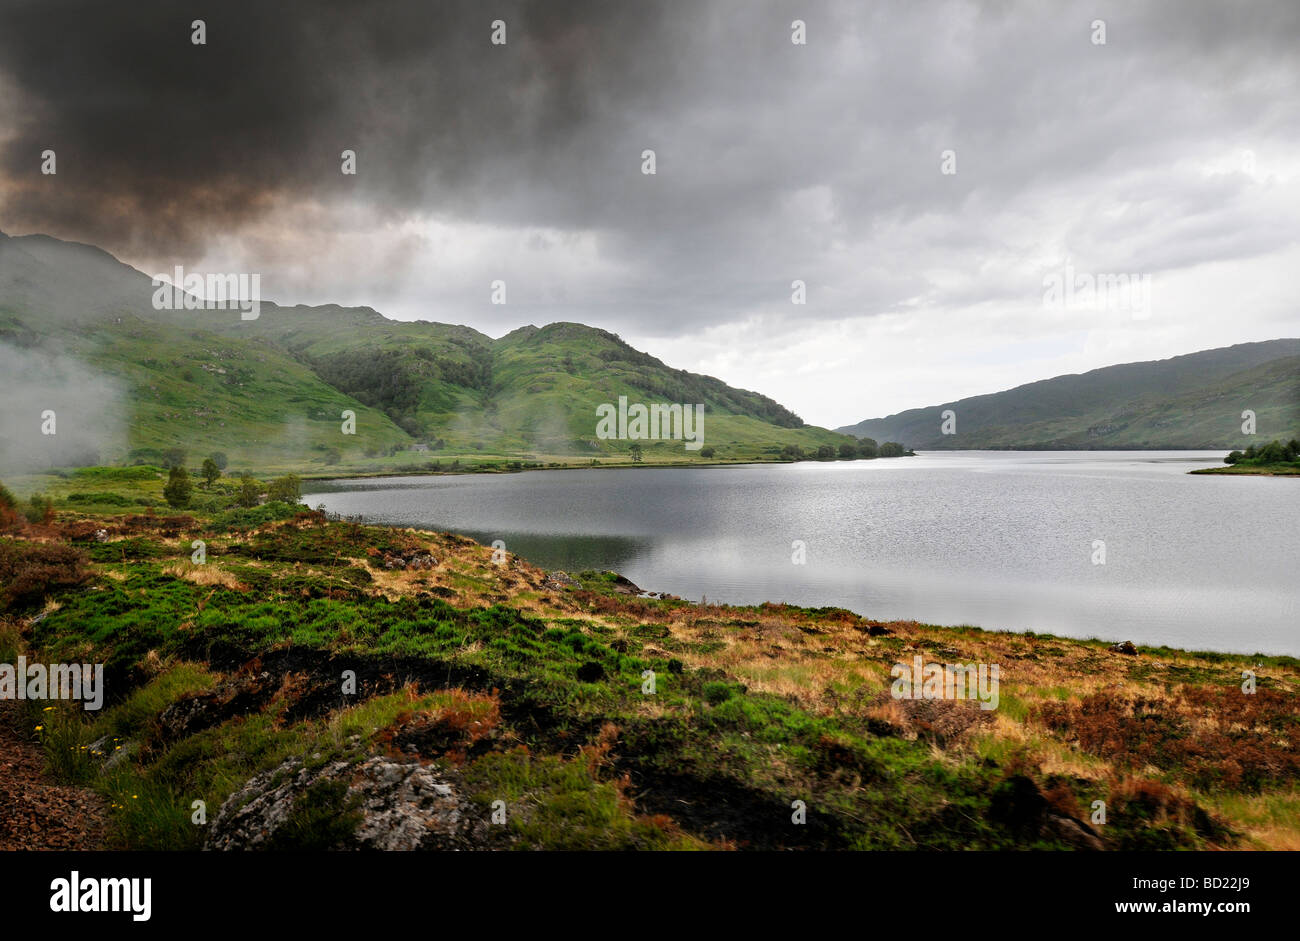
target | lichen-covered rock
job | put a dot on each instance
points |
(239, 696)
(389, 805)
(559, 581)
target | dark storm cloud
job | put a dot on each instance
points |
(774, 161)
(162, 141)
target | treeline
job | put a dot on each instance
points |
(1275, 452)
(395, 382)
(864, 449)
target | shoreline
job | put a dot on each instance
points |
(503, 681)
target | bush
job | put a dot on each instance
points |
(40, 509)
(178, 489)
(30, 571)
(716, 693)
(211, 472)
(286, 489)
(1233, 457)
(250, 491)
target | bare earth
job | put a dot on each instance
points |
(34, 813)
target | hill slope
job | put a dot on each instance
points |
(1192, 401)
(80, 335)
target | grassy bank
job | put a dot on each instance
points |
(1274, 459)
(525, 694)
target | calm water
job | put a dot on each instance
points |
(1002, 540)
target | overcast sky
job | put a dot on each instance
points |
(1169, 152)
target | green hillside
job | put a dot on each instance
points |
(1192, 401)
(131, 382)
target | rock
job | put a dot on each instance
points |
(1020, 806)
(411, 559)
(624, 586)
(1124, 648)
(203, 710)
(560, 581)
(399, 806)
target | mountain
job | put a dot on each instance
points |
(80, 336)
(1191, 401)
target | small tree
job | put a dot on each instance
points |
(174, 457)
(178, 490)
(635, 451)
(210, 471)
(287, 489)
(250, 491)
(219, 458)
(708, 452)
(1233, 457)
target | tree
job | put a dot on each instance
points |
(210, 471)
(250, 491)
(178, 490)
(826, 453)
(867, 447)
(40, 509)
(287, 489)
(174, 457)
(793, 452)
(892, 449)
(219, 458)
(848, 452)
(708, 452)
(635, 451)
(1233, 457)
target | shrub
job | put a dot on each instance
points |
(178, 489)
(40, 509)
(287, 489)
(250, 491)
(30, 571)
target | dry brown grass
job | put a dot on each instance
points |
(207, 574)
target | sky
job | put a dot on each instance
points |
(973, 195)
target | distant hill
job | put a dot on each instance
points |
(1186, 402)
(80, 336)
